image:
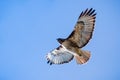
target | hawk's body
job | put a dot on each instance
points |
(80, 36)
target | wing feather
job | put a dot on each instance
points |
(83, 30)
(59, 56)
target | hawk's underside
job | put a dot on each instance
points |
(70, 47)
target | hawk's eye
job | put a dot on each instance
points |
(59, 47)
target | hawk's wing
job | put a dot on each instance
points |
(59, 56)
(83, 29)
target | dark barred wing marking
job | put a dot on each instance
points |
(83, 28)
(59, 56)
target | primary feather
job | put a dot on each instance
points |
(83, 30)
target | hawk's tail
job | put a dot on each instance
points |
(83, 57)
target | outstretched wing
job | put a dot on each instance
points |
(59, 56)
(83, 30)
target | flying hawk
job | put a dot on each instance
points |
(70, 47)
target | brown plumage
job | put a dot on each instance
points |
(79, 37)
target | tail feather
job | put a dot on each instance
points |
(83, 58)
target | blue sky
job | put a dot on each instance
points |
(28, 31)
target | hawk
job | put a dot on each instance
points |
(70, 47)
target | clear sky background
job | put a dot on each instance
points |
(28, 31)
